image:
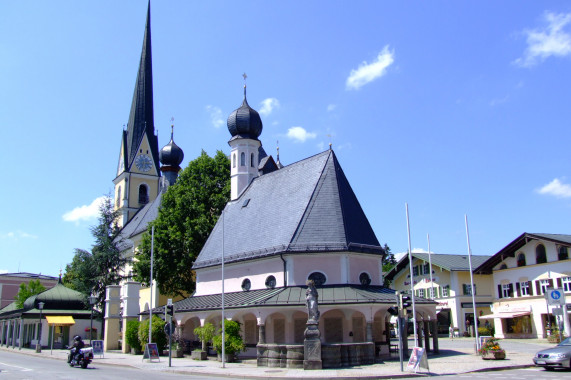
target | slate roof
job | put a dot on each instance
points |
(291, 296)
(447, 262)
(141, 118)
(304, 207)
(139, 223)
(30, 276)
(511, 249)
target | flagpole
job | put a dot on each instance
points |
(151, 284)
(411, 279)
(472, 285)
(223, 317)
(430, 265)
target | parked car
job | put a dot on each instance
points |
(556, 357)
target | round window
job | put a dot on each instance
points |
(270, 282)
(246, 284)
(365, 279)
(318, 278)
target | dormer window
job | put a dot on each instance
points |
(521, 260)
(540, 255)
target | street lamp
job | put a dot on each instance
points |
(39, 343)
(92, 301)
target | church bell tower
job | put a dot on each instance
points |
(138, 174)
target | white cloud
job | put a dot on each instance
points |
(557, 189)
(268, 105)
(331, 107)
(368, 72)
(215, 116)
(548, 41)
(3, 271)
(16, 235)
(84, 213)
(299, 134)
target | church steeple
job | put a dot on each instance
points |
(138, 174)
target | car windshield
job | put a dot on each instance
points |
(566, 342)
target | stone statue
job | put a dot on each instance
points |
(311, 297)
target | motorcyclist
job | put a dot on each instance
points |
(77, 345)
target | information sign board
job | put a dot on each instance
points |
(151, 352)
(555, 296)
(418, 359)
(97, 347)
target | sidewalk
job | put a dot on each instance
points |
(455, 357)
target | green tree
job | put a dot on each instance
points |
(389, 262)
(158, 334)
(91, 272)
(26, 291)
(189, 210)
(233, 342)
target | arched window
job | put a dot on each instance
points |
(143, 194)
(246, 284)
(563, 253)
(234, 160)
(118, 202)
(318, 278)
(521, 260)
(270, 282)
(252, 159)
(242, 159)
(503, 266)
(365, 279)
(540, 255)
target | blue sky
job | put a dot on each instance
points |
(454, 107)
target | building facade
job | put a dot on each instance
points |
(450, 286)
(10, 284)
(522, 271)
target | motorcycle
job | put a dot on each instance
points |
(82, 359)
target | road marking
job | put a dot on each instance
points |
(24, 369)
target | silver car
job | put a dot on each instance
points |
(556, 357)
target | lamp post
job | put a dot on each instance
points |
(39, 343)
(92, 301)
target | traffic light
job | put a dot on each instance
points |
(393, 310)
(405, 301)
(170, 310)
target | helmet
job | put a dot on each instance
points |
(77, 338)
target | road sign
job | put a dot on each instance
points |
(554, 296)
(557, 311)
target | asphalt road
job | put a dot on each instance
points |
(519, 374)
(18, 366)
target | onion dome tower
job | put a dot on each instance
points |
(171, 155)
(245, 126)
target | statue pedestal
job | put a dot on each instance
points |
(312, 346)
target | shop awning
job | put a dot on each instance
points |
(505, 315)
(66, 320)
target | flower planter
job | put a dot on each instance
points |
(199, 355)
(494, 355)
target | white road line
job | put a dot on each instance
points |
(24, 369)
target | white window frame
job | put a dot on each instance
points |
(524, 288)
(566, 283)
(506, 290)
(432, 292)
(543, 285)
(421, 293)
(446, 291)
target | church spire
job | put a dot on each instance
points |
(141, 119)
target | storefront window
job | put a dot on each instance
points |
(519, 325)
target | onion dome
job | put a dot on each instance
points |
(171, 154)
(245, 122)
(58, 297)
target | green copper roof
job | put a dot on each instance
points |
(58, 297)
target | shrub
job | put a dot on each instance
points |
(205, 334)
(233, 339)
(485, 331)
(132, 334)
(158, 334)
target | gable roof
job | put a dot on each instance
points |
(511, 249)
(306, 207)
(447, 262)
(139, 223)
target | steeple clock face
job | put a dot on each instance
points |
(143, 162)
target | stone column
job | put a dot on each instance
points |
(21, 334)
(312, 346)
(112, 310)
(435, 337)
(131, 308)
(14, 330)
(2, 334)
(426, 330)
(369, 337)
(262, 334)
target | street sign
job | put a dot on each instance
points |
(557, 311)
(554, 296)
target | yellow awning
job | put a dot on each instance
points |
(66, 320)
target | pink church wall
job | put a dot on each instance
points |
(359, 264)
(329, 264)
